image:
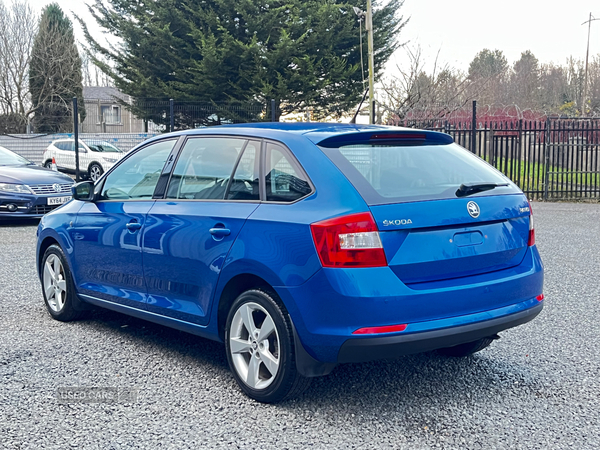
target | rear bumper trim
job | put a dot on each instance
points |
(361, 350)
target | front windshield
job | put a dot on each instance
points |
(104, 147)
(8, 158)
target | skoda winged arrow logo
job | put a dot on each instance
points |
(473, 209)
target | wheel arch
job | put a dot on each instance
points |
(46, 242)
(234, 287)
(97, 163)
(305, 363)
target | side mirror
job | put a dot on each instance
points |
(83, 191)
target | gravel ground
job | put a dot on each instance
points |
(537, 387)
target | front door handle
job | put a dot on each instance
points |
(134, 226)
(220, 232)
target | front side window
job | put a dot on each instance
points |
(284, 180)
(204, 167)
(70, 146)
(136, 177)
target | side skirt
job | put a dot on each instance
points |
(181, 325)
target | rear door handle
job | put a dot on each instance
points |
(220, 232)
(133, 226)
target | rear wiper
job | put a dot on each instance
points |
(466, 189)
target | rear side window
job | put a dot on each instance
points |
(244, 184)
(204, 168)
(284, 180)
(394, 174)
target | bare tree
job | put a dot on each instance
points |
(436, 94)
(524, 82)
(92, 74)
(594, 86)
(19, 27)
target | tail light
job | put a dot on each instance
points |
(349, 241)
(531, 241)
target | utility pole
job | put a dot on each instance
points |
(368, 18)
(369, 27)
(587, 54)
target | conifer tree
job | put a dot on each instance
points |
(303, 53)
(55, 73)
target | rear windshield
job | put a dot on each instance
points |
(394, 174)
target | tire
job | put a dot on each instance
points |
(58, 288)
(48, 164)
(265, 369)
(466, 349)
(95, 171)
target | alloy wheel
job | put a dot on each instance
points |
(55, 284)
(254, 345)
(95, 172)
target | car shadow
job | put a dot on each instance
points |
(168, 340)
(14, 223)
(413, 381)
(425, 381)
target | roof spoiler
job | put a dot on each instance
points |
(391, 137)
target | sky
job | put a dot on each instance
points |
(551, 29)
(459, 29)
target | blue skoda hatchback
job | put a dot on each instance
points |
(300, 246)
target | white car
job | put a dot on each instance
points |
(95, 157)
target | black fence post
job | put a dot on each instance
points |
(547, 159)
(474, 128)
(373, 114)
(273, 112)
(172, 115)
(76, 136)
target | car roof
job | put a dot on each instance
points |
(314, 131)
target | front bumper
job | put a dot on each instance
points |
(28, 206)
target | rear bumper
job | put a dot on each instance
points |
(360, 350)
(334, 303)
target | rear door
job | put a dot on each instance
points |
(442, 240)
(189, 233)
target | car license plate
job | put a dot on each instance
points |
(58, 200)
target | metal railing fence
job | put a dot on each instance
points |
(555, 159)
(126, 124)
(32, 146)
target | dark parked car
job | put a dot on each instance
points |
(27, 190)
(300, 246)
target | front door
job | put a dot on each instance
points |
(189, 233)
(107, 233)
